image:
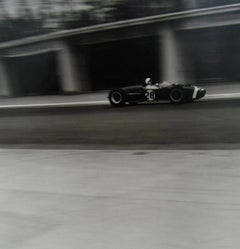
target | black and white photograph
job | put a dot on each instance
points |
(119, 124)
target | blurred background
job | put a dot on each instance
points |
(200, 48)
(22, 18)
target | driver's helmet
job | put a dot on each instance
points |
(148, 81)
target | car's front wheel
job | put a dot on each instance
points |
(117, 98)
(177, 95)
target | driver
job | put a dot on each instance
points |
(150, 85)
(148, 81)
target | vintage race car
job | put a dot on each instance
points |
(173, 92)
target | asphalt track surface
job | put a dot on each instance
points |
(202, 124)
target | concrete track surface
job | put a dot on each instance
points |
(58, 199)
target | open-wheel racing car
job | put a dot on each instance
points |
(149, 92)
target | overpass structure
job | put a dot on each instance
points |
(193, 45)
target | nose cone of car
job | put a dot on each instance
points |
(201, 93)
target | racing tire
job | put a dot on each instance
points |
(177, 95)
(117, 98)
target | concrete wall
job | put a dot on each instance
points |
(72, 69)
(51, 68)
(174, 59)
(4, 80)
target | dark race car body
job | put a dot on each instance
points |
(176, 93)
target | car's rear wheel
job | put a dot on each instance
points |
(117, 98)
(177, 95)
